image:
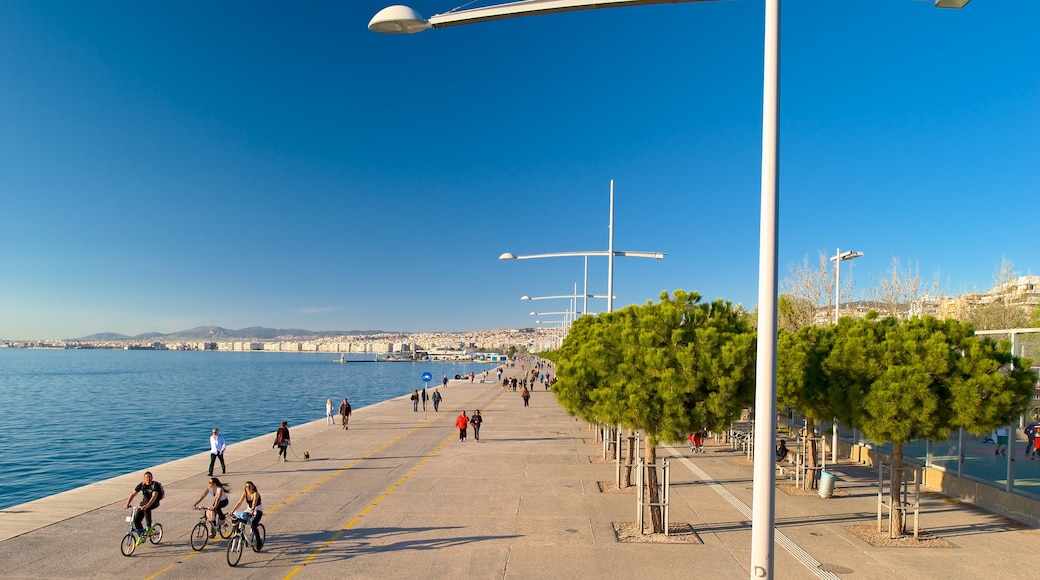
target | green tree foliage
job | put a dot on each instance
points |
(665, 369)
(803, 382)
(919, 379)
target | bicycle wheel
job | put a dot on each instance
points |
(261, 536)
(128, 544)
(199, 537)
(156, 536)
(234, 551)
(226, 528)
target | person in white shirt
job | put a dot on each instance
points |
(216, 451)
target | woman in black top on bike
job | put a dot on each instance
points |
(256, 506)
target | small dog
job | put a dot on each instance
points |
(306, 455)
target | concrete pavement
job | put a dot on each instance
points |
(398, 496)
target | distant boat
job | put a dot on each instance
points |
(342, 359)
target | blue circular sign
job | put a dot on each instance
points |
(427, 377)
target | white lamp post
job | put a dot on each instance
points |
(586, 296)
(557, 342)
(405, 20)
(572, 297)
(838, 258)
(610, 253)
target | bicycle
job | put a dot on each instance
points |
(135, 536)
(205, 529)
(242, 534)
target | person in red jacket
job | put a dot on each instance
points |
(462, 421)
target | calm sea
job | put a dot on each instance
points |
(73, 417)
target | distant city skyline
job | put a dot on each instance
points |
(263, 164)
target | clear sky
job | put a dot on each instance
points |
(169, 165)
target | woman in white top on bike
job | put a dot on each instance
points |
(218, 491)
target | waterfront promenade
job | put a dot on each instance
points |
(398, 496)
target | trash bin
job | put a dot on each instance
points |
(826, 488)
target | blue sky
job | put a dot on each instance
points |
(164, 166)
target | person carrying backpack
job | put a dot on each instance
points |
(281, 440)
(152, 493)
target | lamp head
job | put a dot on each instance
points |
(507, 256)
(951, 3)
(534, 314)
(398, 19)
(525, 297)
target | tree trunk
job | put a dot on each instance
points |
(813, 474)
(630, 459)
(896, 500)
(656, 517)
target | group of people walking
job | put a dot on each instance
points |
(421, 397)
(344, 413)
(463, 422)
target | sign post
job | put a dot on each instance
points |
(426, 377)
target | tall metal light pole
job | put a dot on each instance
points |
(610, 253)
(838, 258)
(405, 20)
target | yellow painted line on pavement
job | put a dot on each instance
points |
(379, 499)
(353, 463)
(368, 508)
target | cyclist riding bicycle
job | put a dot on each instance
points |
(150, 491)
(256, 507)
(218, 491)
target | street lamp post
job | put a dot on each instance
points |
(405, 20)
(838, 258)
(610, 253)
(572, 297)
(556, 342)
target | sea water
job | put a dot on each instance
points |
(73, 417)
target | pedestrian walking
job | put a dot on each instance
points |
(436, 401)
(1002, 441)
(344, 413)
(424, 399)
(415, 401)
(217, 445)
(472, 376)
(329, 419)
(281, 441)
(1031, 433)
(444, 381)
(526, 395)
(462, 421)
(476, 420)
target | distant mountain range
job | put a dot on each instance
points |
(218, 333)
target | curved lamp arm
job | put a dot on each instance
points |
(400, 19)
